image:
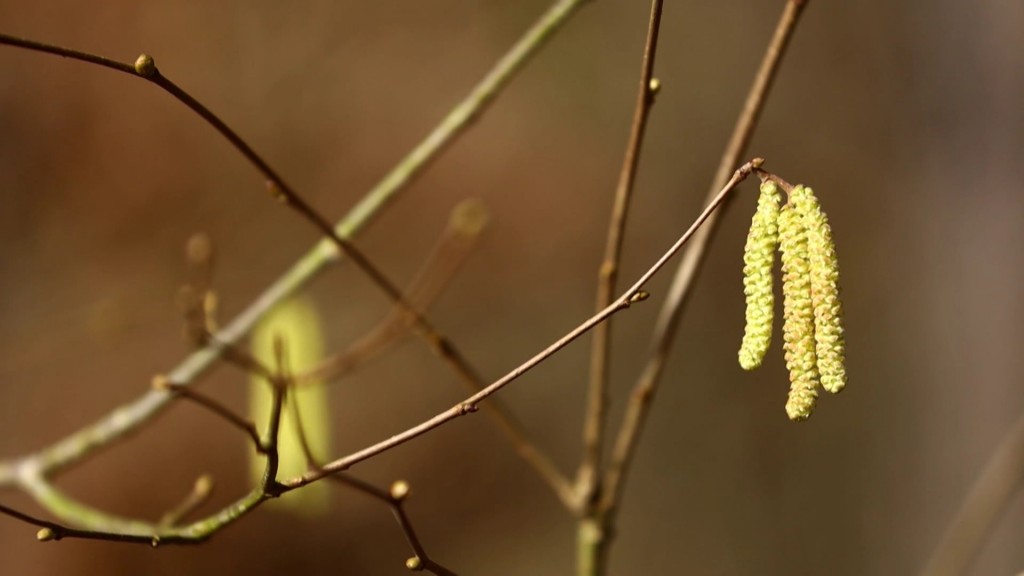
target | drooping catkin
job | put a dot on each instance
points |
(758, 261)
(798, 315)
(824, 270)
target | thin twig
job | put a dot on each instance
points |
(999, 480)
(145, 67)
(393, 498)
(93, 524)
(633, 294)
(195, 498)
(596, 415)
(214, 406)
(126, 418)
(671, 311)
(456, 243)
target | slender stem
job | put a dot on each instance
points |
(471, 404)
(214, 406)
(999, 480)
(450, 252)
(195, 498)
(596, 415)
(394, 499)
(668, 319)
(67, 53)
(94, 524)
(128, 417)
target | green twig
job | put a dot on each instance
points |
(84, 521)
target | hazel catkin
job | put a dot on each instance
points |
(824, 274)
(798, 315)
(758, 261)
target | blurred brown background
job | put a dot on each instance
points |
(906, 117)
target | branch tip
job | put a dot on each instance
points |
(161, 382)
(203, 486)
(145, 66)
(199, 248)
(470, 217)
(399, 490)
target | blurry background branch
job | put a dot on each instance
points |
(126, 418)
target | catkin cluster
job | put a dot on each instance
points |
(812, 332)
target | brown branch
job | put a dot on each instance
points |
(596, 415)
(465, 225)
(230, 416)
(99, 525)
(145, 67)
(438, 341)
(115, 425)
(671, 311)
(393, 498)
(633, 294)
(999, 480)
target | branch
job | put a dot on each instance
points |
(671, 311)
(633, 294)
(128, 417)
(596, 416)
(467, 221)
(90, 523)
(998, 481)
(393, 498)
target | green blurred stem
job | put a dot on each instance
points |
(130, 416)
(93, 524)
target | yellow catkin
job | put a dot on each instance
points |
(824, 270)
(798, 315)
(758, 261)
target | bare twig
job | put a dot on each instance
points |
(595, 532)
(196, 497)
(145, 67)
(998, 481)
(199, 255)
(393, 498)
(633, 294)
(90, 523)
(126, 418)
(217, 408)
(465, 225)
(596, 415)
(668, 319)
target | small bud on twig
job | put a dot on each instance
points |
(145, 66)
(399, 490)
